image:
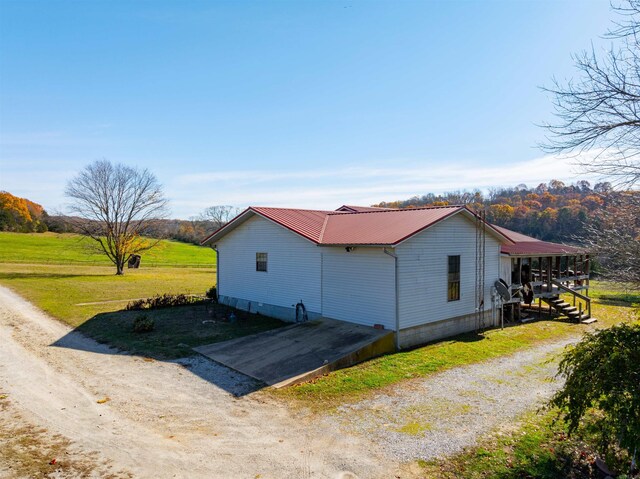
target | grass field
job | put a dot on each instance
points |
(65, 277)
(56, 273)
(611, 306)
(75, 293)
(53, 248)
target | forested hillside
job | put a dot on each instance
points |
(550, 211)
(21, 215)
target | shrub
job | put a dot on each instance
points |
(143, 324)
(162, 301)
(602, 375)
(212, 293)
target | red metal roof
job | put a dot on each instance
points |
(527, 245)
(307, 223)
(387, 227)
(377, 227)
(540, 248)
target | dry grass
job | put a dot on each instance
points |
(29, 452)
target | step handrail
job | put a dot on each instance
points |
(569, 290)
(586, 299)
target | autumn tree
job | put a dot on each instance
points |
(20, 215)
(115, 205)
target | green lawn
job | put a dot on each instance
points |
(75, 293)
(357, 382)
(537, 448)
(62, 276)
(53, 248)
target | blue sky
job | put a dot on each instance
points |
(303, 104)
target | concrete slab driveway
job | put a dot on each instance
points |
(300, 352)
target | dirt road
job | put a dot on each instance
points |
(161, 419)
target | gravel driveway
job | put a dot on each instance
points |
(183, 419)
(162, 419)
(447, 412)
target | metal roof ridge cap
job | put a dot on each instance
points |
(293, 209)
(391, 210)
(324, 226)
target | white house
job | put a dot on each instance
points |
(411, 271)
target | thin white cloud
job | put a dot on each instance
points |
(310, 188)
(327, 189)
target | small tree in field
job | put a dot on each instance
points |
(602, 374)
(115, 205)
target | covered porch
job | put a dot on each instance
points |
(535, 271)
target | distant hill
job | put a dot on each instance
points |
(550, 211)
(21, 215)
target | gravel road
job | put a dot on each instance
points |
(162, 419)
(443, 414)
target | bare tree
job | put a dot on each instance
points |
(219, 215)
(600, 112)
(115, 205)
(612, 235)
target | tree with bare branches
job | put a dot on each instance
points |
(115, 205)
(219, 215)
(600, 112)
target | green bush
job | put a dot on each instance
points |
(602, 385)
(162, 301)
(143, 324)
(212, 293)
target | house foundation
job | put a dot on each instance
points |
(426, 333)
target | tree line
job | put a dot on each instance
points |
(21, 215)
(552, 211)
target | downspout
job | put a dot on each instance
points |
(395, 257)
(215, 248)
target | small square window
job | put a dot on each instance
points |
(261, 262)
(453, 278)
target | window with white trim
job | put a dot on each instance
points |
(261, 262)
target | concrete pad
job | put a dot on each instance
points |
(300, 352)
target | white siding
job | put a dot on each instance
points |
(505, 268)
(293, 269)
(358, 286)
(422, 272)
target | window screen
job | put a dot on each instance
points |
(453, 278)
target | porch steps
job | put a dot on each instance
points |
(565, 309)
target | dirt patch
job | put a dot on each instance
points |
(27, 451)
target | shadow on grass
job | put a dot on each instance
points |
(10, 276)
(176, 331)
